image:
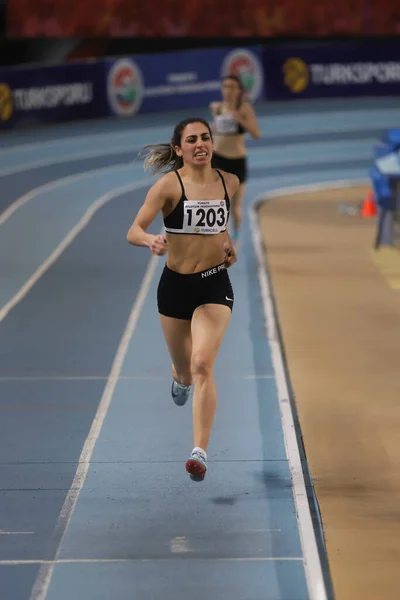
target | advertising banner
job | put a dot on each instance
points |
(180, 80)
(332, 70)
(44, 95)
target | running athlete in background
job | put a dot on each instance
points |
(232, 119)
(194, 296)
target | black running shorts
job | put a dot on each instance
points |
(237, 166)
(179, 295)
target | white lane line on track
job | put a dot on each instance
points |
(43, 580)
(52, 185)
(72, 234)
(312, 562)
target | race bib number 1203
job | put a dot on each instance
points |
(205, 216)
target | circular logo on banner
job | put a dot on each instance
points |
(6, 102)
(296, 75)
(246, 65)
(125, 87)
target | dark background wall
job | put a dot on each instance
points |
(54, 31)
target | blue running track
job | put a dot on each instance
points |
(94, 501)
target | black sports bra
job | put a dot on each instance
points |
(202, 217)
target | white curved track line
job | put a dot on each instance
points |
(82, 223)
(26, 165)
(334, 124)
(312, 562)
(307, 187)
(96, 137)
(71, 157)
(52, 185)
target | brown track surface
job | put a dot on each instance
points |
(340, 323)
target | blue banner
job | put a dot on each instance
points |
(332, 70)
(179, 80)
(43, 95)
(32, 96)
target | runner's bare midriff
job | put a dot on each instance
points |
(194, 253)
(230, 146)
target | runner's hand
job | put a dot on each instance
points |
(230, 255)
(214, 107)
(159, 245)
